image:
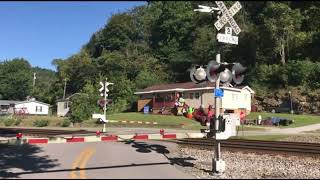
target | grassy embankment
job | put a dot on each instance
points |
(164, 121)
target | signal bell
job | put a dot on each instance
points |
(238, 73)
(198, 75)
(214, 70)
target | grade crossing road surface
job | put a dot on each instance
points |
(131, 159)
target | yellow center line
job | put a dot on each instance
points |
(82, 157)
(84, 163)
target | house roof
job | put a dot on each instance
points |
(187, 86)
(8, 102)
(66, 99)
(22, 102)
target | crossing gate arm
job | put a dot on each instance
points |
(106, 138)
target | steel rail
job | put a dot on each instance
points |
(274, 146)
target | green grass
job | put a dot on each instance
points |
(263, 137)
(251, 128)
(299, 120)
(28, 121)
(164, 121)
(167, 121)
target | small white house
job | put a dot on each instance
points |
(32, 107)
(235, 99)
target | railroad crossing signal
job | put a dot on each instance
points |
(198, 75)
(227, 16)
(104, 90)
(227, 37)
(216, 72)
(104, 86)
(206, 9)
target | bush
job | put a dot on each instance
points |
(66, 123)
(41, 123)
(8, 122)
(17, 122)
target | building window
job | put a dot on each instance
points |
(197, 95)
(191, 95)
(65, 105)
(234, 97)
(245, 97)
(38, 108)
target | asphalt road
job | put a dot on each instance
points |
(131, 159)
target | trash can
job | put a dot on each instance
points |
(146, 109)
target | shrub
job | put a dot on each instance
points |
(17, 122)
(41, 123)
(8, 122)
(66, 123)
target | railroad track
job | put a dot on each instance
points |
(41, 132)
(256, 145)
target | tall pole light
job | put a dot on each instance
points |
(64, 89)
(34, 81)
(291, 110)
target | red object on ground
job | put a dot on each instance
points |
(189, 115)
(38, 141)
(109, 138)
(140, 137)
(169, 136)
(98, 133)
(162, 131)
(76, 139)
(19, 135)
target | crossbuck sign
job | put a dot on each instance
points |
(227, 16)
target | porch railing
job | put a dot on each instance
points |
(163, 104)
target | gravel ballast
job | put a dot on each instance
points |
(250, 165)
(305, 138)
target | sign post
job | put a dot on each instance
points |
(104, 88)
(218, 165)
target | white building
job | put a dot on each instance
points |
(32, 107)
(63, 107)
(235, 99)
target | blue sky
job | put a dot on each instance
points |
(43, 31)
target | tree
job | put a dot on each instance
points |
(15, 79)
(84, 104)
(279, 23)
(45, 80)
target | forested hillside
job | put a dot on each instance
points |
(159, 42)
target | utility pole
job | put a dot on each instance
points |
(34, 82)
(64, 90)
